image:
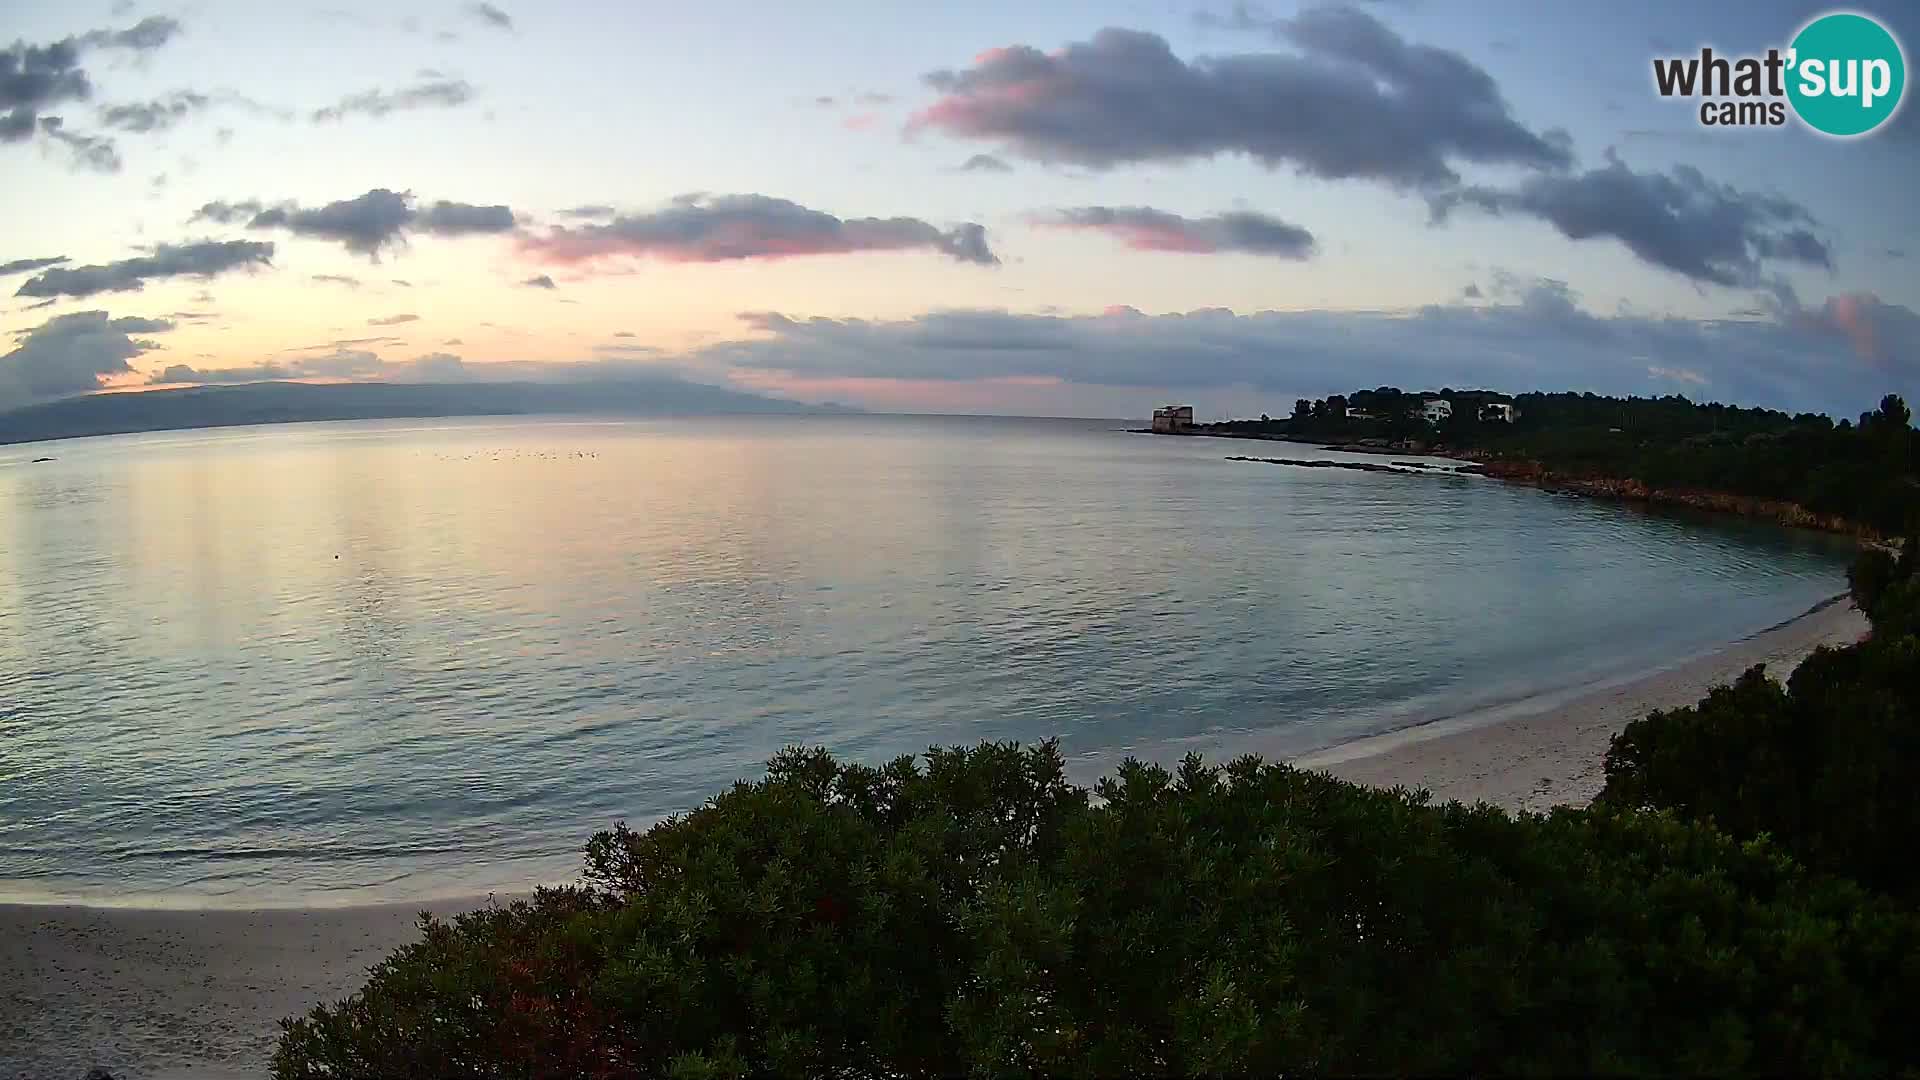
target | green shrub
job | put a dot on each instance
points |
(1828, 765)
(981, 915)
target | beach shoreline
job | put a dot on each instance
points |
(1535, 755)
(165, 994)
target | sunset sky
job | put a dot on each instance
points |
(1069, 209)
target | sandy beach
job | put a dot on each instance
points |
(1551, 756)
(169, 995)
(176, 994)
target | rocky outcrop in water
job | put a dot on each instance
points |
(1357, 466)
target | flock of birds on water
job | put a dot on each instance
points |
(511, 454)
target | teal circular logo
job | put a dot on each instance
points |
(1846, 74)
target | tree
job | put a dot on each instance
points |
(1824, 765)
(979, 915)
(1302, 408)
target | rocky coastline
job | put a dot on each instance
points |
(1535, 474)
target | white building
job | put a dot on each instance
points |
(1436, 410)
(1498, 410)
(1173, 419)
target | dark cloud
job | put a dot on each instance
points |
(393, 320)
(1842, 356)
(540, 281)
(226, 213)
(337, 279)
(490, 15)
(1678, 220)
(187, 374)
(146, 35)
(433, 93)
(403, 283)
(364, 224)
(702, 228)
(1353, 101)
(70, 354)
(1471, 292)
(157, 115)
(87, 151)
(985, 163)
(445, 218)
(201, 259)
(33, 77)
(21, 266)
(1146, 229)
(589, 212)
(623, 333)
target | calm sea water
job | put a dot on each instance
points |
(389, 660)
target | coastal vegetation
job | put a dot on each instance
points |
(1736, 902)
(1740, 898)
(1824, 766)
(1802, 469)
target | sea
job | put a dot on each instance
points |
(335, 663)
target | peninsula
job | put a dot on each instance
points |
(1802, 470)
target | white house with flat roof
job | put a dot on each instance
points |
(1436, 410)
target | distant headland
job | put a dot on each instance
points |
(1803, 470)
(289, 402)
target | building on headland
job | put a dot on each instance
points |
(1436, 410)
(1501, 411)
(1173, 419)
(1358, 414)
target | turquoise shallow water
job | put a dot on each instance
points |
(388, 660)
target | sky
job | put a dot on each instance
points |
(1054, 209)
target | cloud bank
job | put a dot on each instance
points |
(365, 224)
(1678, 220)
(70, 354)
(1842, 356)
(34, 78)
(1146, 229)
(490, 15)
(722, 228)
(200, 259)
(21, 266)
(1353, 101)
(440, 93)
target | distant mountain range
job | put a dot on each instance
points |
(284, 403)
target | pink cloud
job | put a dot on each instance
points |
(700, 228)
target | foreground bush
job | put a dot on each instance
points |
(981, 915)
(1828, 766)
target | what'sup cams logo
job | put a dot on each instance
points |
(1843, 75)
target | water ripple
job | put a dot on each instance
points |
(408, 659)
